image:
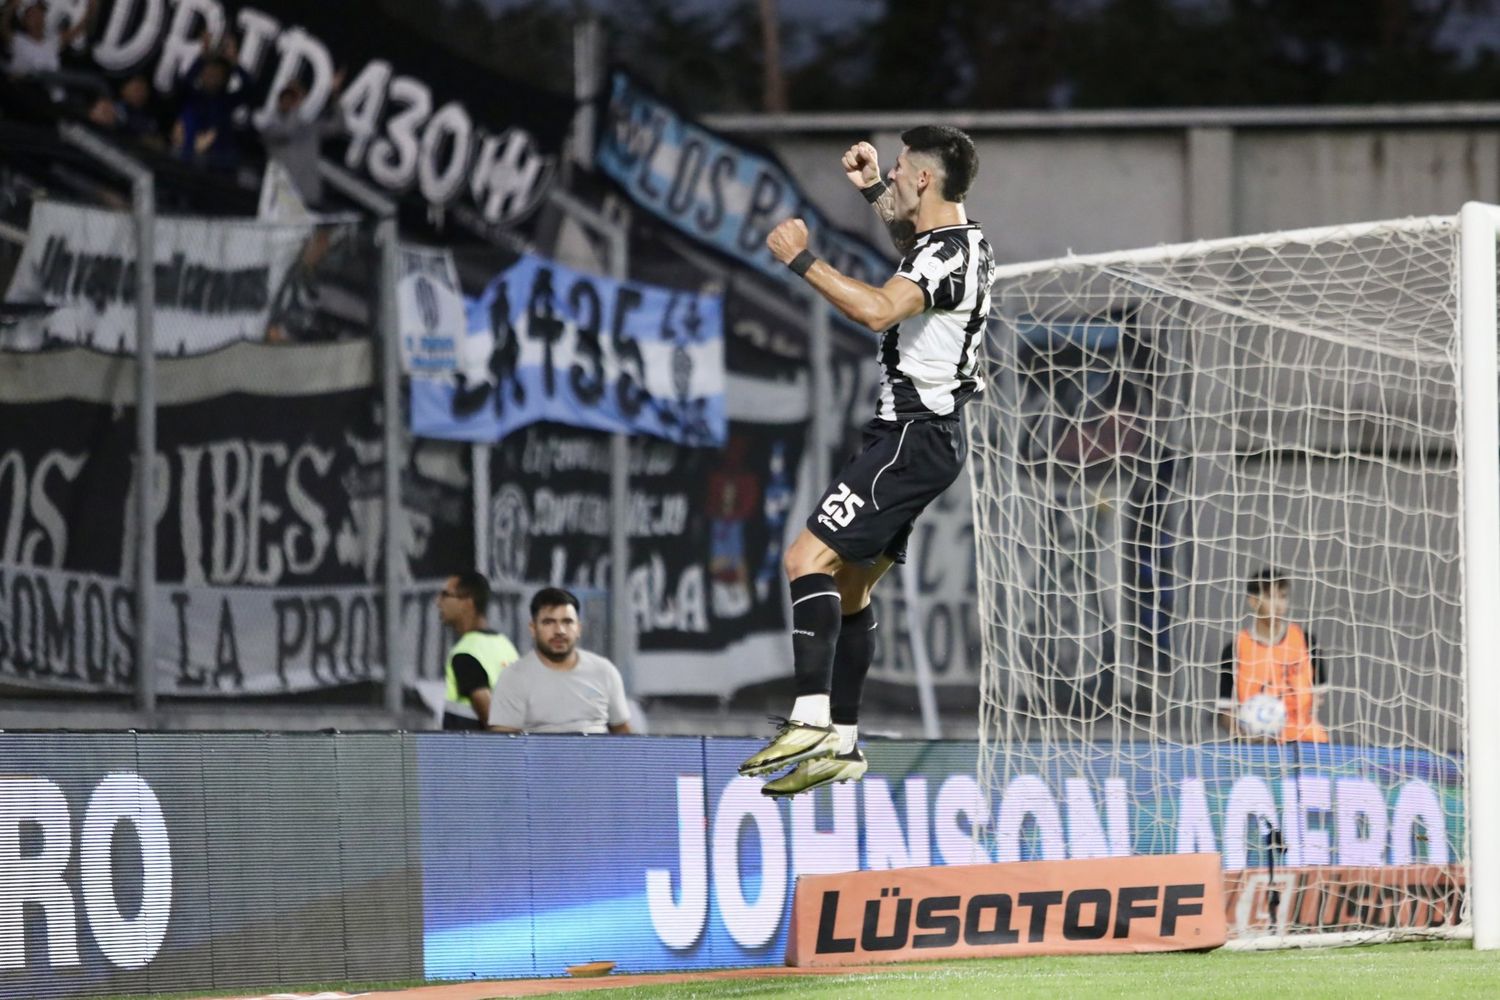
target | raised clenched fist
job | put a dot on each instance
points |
(862, 165)
(788, 239)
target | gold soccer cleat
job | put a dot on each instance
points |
(793, 742)
(810, 774)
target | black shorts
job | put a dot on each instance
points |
(902, 467)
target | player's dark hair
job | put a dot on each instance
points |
(1264, 579)
(476, 588)
(953, 149)
(553, 597)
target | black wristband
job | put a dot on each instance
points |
(873, 192)
(800, 263)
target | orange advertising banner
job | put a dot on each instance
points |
(1088, 906)
(1343, 899)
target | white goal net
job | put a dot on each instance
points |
(1161, 428)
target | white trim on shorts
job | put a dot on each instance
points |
(876, 481)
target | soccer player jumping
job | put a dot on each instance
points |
(932, 315)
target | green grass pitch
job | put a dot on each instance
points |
(1406, 971)
(1413, 971)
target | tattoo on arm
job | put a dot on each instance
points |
(903, 231)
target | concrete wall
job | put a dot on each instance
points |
(1285, 179)
(1091, 182)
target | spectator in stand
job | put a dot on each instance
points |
(557, 687)
(104, 113)
(479, 655)
(34, 86)
(296, 142)
(131, 116)
(37, 48)
(139, 116)
(1276, 657)
(208, 99)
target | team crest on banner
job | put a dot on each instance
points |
(430, 308)
(546, 342)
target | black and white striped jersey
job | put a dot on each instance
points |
(927, 362)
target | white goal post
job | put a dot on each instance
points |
(1480, 230)
(1164, 427)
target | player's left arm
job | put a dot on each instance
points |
(877, 308)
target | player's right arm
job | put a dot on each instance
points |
(862, 166)
(879, 309)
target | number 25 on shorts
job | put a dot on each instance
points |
(839, 507)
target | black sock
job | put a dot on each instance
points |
(815, 631)
(851, 662)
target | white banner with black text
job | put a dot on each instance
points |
(217, 280)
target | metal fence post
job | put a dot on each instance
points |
(389, 328)
(588, 74)
(621, 616)
(479, 467)
(143, 198)
(621, 621)
(390, 395)
(143, 213)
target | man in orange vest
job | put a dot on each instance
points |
(1276, 657)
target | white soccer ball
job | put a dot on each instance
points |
(1263, 715)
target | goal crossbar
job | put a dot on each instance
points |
(1349, 340)
(1315, 234)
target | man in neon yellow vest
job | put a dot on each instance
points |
(476, 659)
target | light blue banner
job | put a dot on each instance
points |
(546, 342)
(723, 194)
(651, 852)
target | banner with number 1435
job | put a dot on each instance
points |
(547, 342)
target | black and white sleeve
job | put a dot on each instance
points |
(930, 267)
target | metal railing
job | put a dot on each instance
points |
(143, 214)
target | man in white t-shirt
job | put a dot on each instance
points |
(37, 47)
(557, 687)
